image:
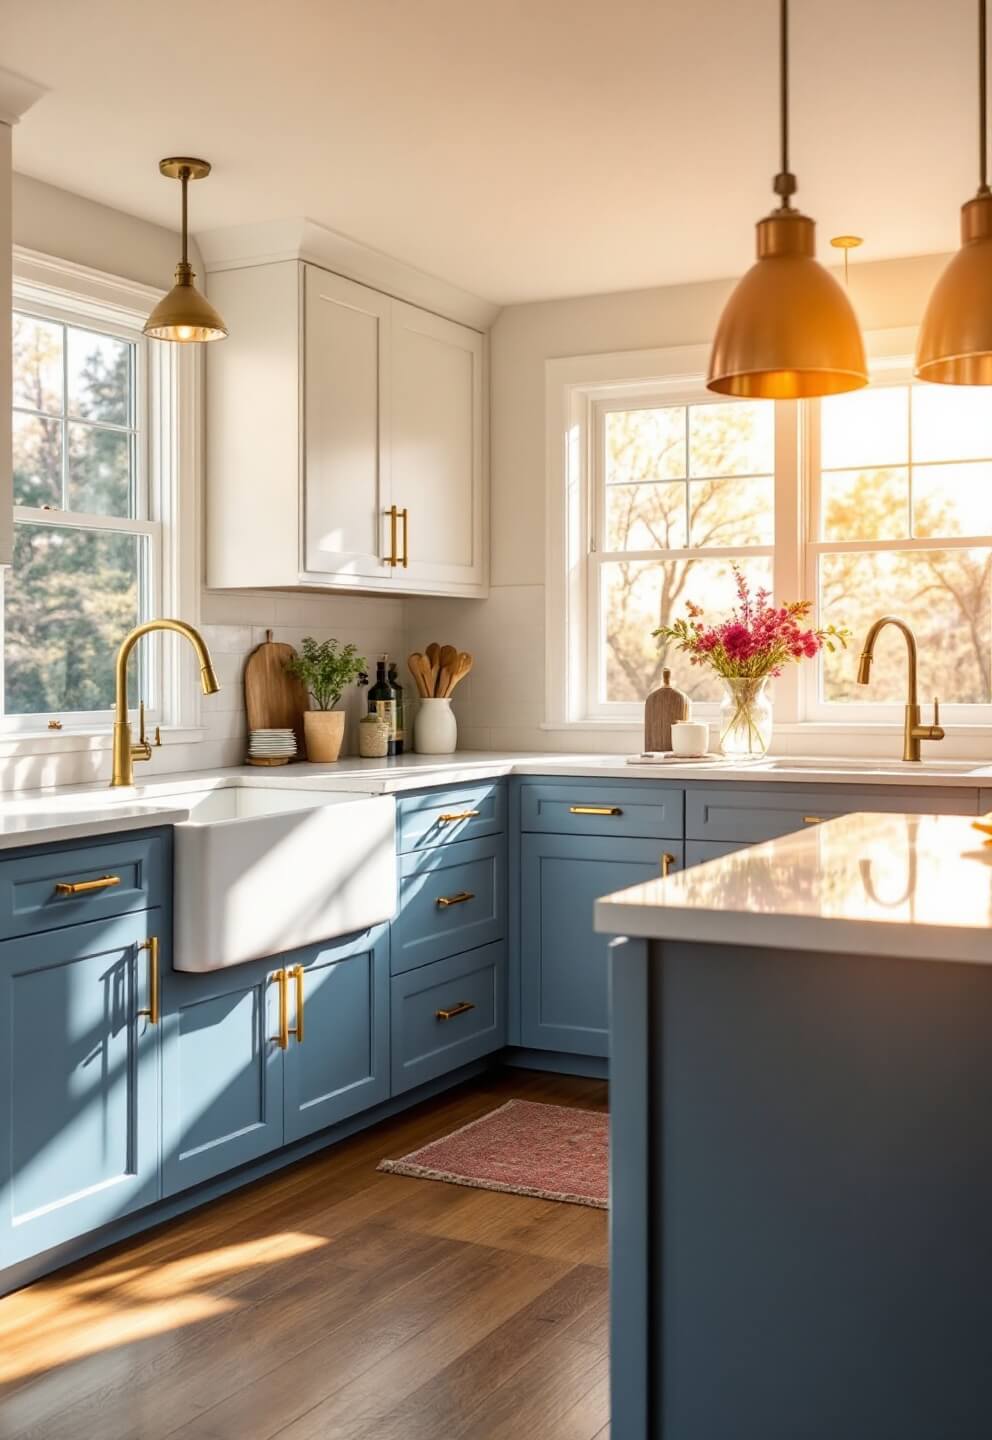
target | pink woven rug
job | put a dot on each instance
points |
(550, 1151)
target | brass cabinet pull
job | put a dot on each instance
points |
(154, 1009)
(813, 819)
(461, 1008)
(393, 514)
(454, 815)
(83, 887)
(595, 809)
(297, 1029)
(406, 537)
(282, 1039)
(667, 861)
(443, 901)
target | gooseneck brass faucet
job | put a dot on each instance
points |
(913, 731)
(125, 753)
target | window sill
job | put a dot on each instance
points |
(14, 743)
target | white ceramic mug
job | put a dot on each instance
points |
(690, 737)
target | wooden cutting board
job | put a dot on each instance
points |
(661, 709)
(274, 699)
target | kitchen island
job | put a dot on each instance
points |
(801, 1076)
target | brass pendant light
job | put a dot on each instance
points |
(788, 331)
(184, 314)
(955, 341)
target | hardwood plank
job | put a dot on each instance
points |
(463, 1387)
(330, 1300)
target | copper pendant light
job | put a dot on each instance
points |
(955, 341)
(184, 315)
(788, 331)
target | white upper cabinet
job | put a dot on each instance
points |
(436, 397)
(346, 441)
(346, 427)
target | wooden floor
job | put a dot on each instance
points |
(331, 1303)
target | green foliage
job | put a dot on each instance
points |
(325, 669)
(72, 594)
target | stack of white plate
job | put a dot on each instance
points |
(271, 745)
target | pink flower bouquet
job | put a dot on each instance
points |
(754, 644)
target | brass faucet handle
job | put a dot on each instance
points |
(142, 737)
(158, 735)
(936, 713)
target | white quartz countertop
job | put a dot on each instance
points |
(31, 817)
(909, 886)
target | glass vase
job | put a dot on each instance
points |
(745, 717)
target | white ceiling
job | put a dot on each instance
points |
(521, 149)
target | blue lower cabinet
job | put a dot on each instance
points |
(79, 1081)
(446, 1014)
(564, 971)
(697, 852)
(337, 1063)
(222, 1072)
(452, 898)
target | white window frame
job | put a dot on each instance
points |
(169, 423)
(573, 388)
(672, 393)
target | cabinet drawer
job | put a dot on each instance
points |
(697, 852)
(462, 812)
(446, 1014)
(641, 810)
(113, 878)
(452, 898)
(748, 814)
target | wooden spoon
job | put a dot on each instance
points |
(462, 666)
(433, 653)
(420, 671)
(443, 681)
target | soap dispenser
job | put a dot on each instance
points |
(662, 709)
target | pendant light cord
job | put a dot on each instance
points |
(783, 63)
(983, 100)
(784, 183)
(184, 178)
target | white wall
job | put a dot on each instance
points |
(501, 705)
(73, 228)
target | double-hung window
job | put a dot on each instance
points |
(87, 555)
(683, 488)
(867, 504)
(901, 512)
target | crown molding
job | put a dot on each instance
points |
(17, 95)
(237, 246)
(49, 280)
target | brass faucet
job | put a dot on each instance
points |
(913, 731)
(125, 753)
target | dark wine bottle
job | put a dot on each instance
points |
(394, 680)
(382, 701)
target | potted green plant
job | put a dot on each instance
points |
(325, 668)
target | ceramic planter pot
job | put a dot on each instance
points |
(323, 731)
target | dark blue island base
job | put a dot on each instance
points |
(801, 1223)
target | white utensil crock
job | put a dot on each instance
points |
(435, 730)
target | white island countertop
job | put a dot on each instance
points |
(68, 812)
(908, 886)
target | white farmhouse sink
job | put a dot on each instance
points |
(260, 870)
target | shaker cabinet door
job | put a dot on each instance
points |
(436, 393)
(564, 994)
(221, 1071)
(346, 480)
(79, 1089)
(337, 1063)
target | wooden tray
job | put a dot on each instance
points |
(275, 700)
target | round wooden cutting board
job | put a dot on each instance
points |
(274, 699)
